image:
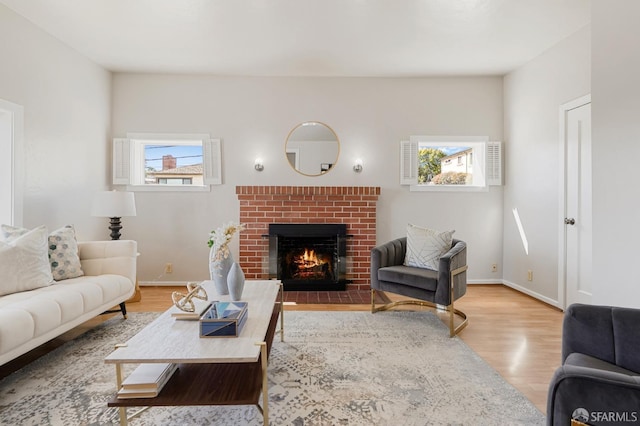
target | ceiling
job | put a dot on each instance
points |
(388, 38)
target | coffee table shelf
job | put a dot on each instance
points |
(211, 377)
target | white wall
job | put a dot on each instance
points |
(253, 117)
(66, 100)
(616, 131)
(532, 97)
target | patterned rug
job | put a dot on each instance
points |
(334, 368)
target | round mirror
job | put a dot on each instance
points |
(312, 148)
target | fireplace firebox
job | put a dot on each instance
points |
(307, 257)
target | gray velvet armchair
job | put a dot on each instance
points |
(598, 382)
(438, 289)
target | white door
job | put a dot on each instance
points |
(577, 221)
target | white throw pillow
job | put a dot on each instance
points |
(24, 261)
(9, 233)
(63, 250)
(425, 246)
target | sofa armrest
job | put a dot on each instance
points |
(118, 257)
(387, 254)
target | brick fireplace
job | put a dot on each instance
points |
(354, 206)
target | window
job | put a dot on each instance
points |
(171, 163)
(430, 163)
(166, 161)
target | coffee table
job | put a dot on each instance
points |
(211, 371)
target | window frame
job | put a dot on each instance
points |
(485, 154)
(128, 160)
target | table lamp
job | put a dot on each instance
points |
(114, 205)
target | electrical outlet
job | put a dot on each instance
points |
(494, 267)
(529, 275)
(168, 268)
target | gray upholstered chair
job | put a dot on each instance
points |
(437, 289)
(600, 372)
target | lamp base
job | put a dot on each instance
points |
(115, 228)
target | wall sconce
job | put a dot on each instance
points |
(357, 166)
(258, 165)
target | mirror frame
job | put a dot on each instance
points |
(307, 123)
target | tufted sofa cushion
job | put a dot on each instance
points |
(31, 318)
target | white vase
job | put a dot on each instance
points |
(235, 281)
(219, 270)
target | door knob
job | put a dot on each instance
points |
(569, 221)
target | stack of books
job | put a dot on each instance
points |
(146, 381)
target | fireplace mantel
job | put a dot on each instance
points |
(354, 206)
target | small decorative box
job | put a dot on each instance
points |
(223, 319)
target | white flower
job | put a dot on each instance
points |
(219, 240)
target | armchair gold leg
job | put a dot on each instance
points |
(453, 330)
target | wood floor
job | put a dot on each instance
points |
(520, 337)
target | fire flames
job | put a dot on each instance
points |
(311, 266)
(309, 259)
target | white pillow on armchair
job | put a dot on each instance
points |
(425, 246)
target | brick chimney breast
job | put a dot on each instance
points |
(354, 206)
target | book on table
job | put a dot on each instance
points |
(147, 380)
(201, 306)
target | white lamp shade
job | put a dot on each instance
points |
(113, 204)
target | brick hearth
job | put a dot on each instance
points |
(354, 206)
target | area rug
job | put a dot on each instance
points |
(334, 368)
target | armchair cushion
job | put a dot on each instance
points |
(425, 279)
(425, 246)
(582, 360)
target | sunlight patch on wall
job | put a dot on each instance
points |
(523, 236)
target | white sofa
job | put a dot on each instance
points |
(31, 318)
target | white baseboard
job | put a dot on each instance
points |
(485, 281)
(533, 294)
(163, 283)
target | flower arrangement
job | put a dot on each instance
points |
(219, 240)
